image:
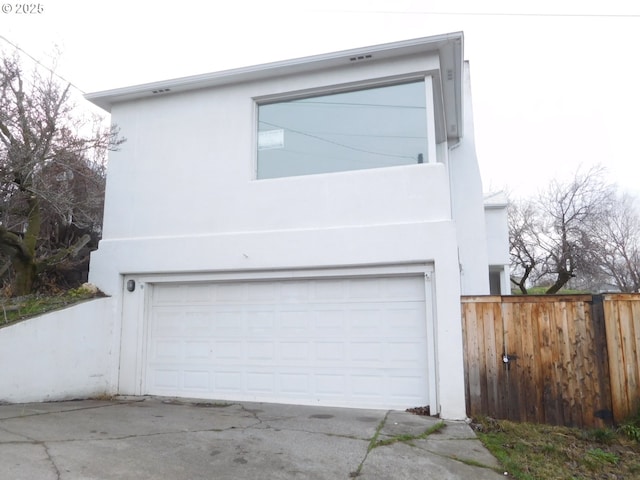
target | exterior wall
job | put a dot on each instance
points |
(467, 204)
(59, 356)
(497, 228)
(199, 149)
(182, 197)
(497, 235)
(350, 247)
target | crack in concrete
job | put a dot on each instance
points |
(455, 457)
(30, 440)
(6, 430)
(34, 441)
(122, 437)
(370, 447)
(53, 463)
(251, 412)
(90, 407)
(268, 425)
(301, 430)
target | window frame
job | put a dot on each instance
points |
(281, 97)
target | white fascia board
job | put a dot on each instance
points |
(496, 206)
(449, 47)
(496, 200)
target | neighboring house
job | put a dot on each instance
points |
(297, 232)
(497, 228)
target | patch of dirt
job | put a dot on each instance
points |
(424, 411)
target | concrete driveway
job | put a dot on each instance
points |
(156, 438)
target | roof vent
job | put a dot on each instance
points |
(161, 90)
(360, 57)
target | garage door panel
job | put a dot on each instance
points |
(167, 324)
(197, 351)
(405, 388)
(328, 352)
(260, 382)
(260, 323)
(364, 385)
(228, 293)
(197, 294)
(369, 352)
(304, 352)
(298, 351)
(364, 290)
(331, 385)
(409, 353)
(229, 350)
(266, 292)
(196, 380)
(260, 351)
(228, 381)
(295, 292)
(348, 341)
(295, 383)
(404, 288)
(167, 351)
(294, 323)
(166, 378)
(361, 387)
(334, 291)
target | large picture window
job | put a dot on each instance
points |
(371, 128)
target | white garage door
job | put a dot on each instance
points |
(357, 342)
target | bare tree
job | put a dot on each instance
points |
(50, 173)
(526, 256)
(618, 252)
(559, 235)
(571, 213)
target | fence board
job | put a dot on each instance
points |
(571, 409)
(492, 345)
(622, 314)
(471, 359)
(512, 344)
(483, 337)
(573, 360)
(600, 353)
(581, 365)
(531, 396)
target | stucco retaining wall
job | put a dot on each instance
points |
(58, 356)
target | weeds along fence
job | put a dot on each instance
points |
(564, 360)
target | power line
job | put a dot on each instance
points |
(354, 104)
(487, 14)
(327, 140)
(41, 64)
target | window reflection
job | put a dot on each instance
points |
(372, 128)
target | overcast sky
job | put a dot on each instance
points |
(556, 84)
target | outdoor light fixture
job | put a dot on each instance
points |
(131, 285)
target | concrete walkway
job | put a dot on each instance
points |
(155, 438)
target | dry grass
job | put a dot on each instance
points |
(16, 309)
(532, 452)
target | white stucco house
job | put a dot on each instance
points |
(296, 232)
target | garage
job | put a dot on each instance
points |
(356, 341)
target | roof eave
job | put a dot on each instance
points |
(448, 46)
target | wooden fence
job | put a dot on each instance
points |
(564, 359)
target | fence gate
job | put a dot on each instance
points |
(540, 359)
